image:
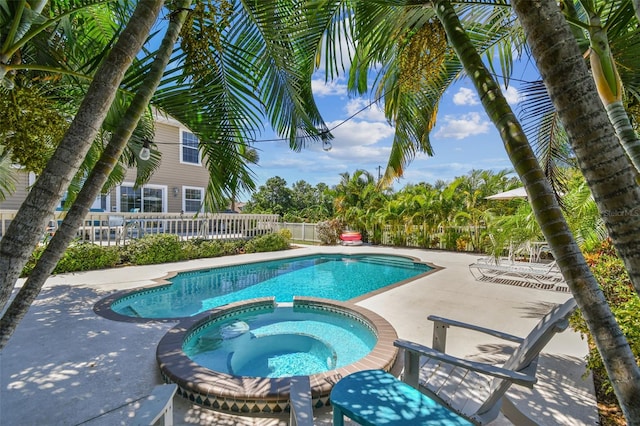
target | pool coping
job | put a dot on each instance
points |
(103, 306)
(258, 395)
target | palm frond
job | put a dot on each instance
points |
(8, 178)
(541, 124)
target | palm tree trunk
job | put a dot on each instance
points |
(94, 183)
(622, 125)
(28, 226)
(603, 162)
(609, 86)
(613, 346)
(636, 6)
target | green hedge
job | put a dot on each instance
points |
(154, 249)
(79, 256)
(269, 242)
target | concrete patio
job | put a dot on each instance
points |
(65, 365)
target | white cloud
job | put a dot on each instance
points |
(463, 126)
(511, 94)
(332, 88)
(365, 110)
(365, 132)
(465, 96)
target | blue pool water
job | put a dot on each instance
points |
(336, 277)
(280, 342)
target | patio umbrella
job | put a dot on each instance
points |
(509, 195)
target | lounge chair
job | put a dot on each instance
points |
(453, 390)
(541, 275)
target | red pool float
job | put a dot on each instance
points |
(351, 237)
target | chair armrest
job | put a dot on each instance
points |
(158, 405)
(480, 367)
(495, 333)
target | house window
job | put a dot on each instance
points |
(152, 199)
(130, 199)
(147, 199)
(193, 199)
(189, 150)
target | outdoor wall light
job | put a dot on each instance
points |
(175, 191)
(145, 152)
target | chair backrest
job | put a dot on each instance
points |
(556, 321)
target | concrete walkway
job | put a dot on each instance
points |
(65, 365)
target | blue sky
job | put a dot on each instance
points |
(463, 139)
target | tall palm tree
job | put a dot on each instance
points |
(612, 38)
(611, 343)
(609, 175)
(24, 231)
(94, 183)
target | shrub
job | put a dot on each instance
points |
(286, 233)
(462, 242)
(329, 231)
(270, 242)
(155, 248)
(232, 247)
(79, 256)
(450, 238)
(623, 300)
(201, 248)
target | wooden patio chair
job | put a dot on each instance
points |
(453, 390)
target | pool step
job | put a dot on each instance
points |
(387, 262)
(130, 311)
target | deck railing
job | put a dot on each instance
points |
(118, 228)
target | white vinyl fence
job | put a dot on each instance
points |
(305, 232)
(443, 238)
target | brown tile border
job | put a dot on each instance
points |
(265, 396)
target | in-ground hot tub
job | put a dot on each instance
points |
(240, 358)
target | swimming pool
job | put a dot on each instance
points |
(280, 342)
(331, 276)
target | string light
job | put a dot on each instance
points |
(145, 152)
